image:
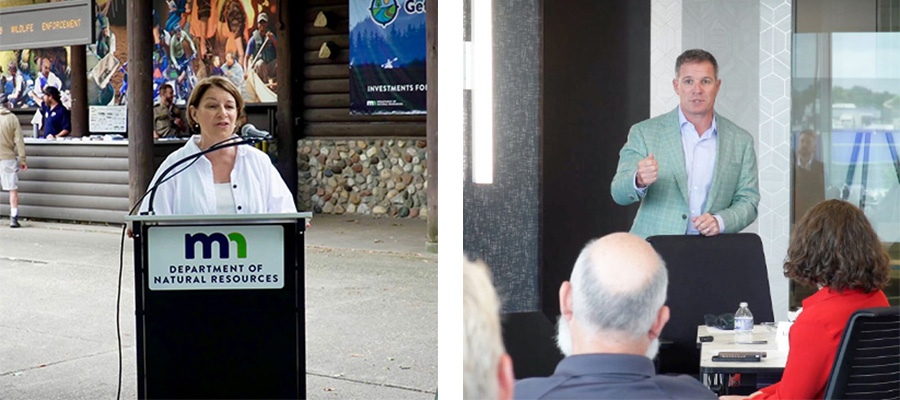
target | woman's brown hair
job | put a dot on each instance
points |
(221, 83)
(834, 245)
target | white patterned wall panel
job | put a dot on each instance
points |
(729, 29)
(774, 142)
(665, 46)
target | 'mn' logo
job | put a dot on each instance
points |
(206, 242)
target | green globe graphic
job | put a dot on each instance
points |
(383, 14)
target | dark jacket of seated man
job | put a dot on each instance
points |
(612, 315)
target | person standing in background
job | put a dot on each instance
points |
(809, 174)
(692, 170)
(57, 121)
(11, 144)
(168, 120)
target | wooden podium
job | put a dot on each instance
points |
(219, 305)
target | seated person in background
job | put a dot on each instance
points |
(56, 116)
(488, 372)
(612, 315)
(834, 248)
(168, 120)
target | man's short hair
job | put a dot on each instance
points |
(808, 132)
(603, 310)
(483, 344)
(165, 86)
(696, 56)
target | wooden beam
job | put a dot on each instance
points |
(140, 85)
(315, 42)
(286, 140)
(431, 79)
(319, 86)
(327, 100)
(339, 56)
(326, 71)
(339, 26)
(78, 91)
(340, 11)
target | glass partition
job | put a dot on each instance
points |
(845, 118)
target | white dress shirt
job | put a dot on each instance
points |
(700, 165)
(255, 183)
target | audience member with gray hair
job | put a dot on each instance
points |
(488, 372)
(613, 313)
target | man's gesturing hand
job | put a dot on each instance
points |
(647, 172)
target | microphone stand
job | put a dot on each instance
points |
(163, 177)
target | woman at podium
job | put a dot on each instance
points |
(231, 177)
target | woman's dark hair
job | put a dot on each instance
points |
(221, 83)
(834, 245)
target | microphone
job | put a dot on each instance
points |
(192, 158)
(250, 131)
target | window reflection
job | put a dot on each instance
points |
(845, 119)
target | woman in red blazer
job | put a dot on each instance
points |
(835, 249)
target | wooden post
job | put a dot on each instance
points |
(78, 91)
(140, 101)
(431, 123)
(286, 159)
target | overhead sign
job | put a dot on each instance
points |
(46, 25)
(223, 257)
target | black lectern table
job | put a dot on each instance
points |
(219, 306)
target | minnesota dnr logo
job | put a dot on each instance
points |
(206, 245)
(383, 12)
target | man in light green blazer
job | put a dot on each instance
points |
(692, 170)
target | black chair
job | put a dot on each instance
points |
(708, 275)
(867, 365)
(529, 338)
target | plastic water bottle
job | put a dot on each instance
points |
(743, 324)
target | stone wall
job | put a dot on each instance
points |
(363, 176)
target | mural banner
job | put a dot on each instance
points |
(232, 38)
(24, 74)
(387, 57)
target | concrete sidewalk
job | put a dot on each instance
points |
(371, 310)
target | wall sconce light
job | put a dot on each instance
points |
(482, 91)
